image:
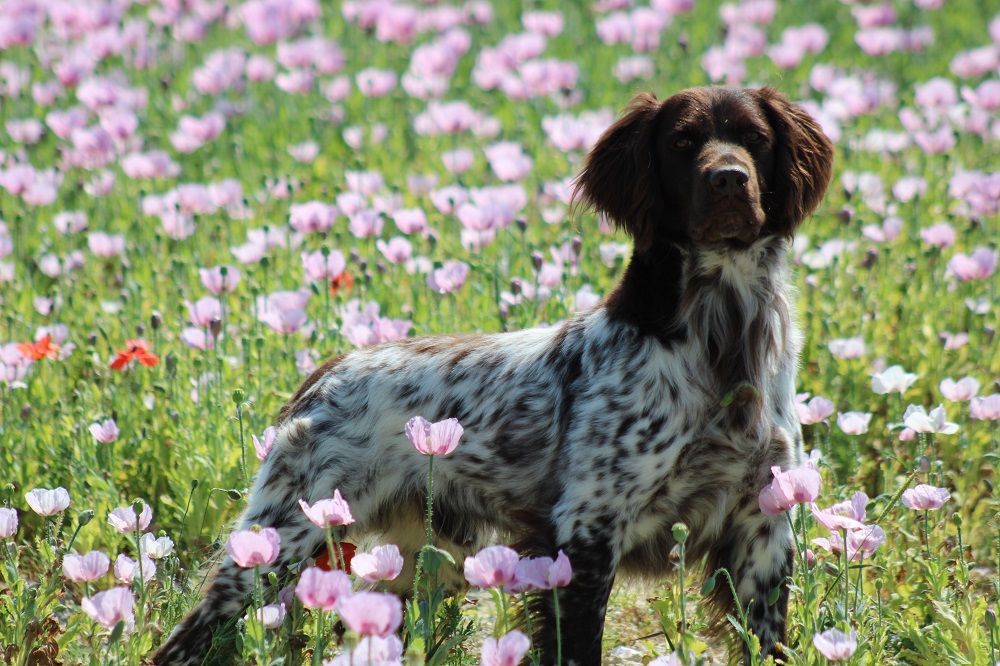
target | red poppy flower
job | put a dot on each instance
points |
(342, 282)
(39, 349)
(323, 561)
(135, 349)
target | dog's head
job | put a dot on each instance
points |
(708, 166)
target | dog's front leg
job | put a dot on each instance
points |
(758, 552)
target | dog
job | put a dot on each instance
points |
(668, 402)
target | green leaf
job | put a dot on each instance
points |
(434, 558)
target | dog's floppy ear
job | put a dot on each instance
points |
(619, 177)
(803, 162)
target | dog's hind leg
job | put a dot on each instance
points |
(287, 476)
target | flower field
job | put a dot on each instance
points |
(202, 200)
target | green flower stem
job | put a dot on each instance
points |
(927, 533)
(555, 607)
(317, 656)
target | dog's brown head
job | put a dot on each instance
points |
(709, 166)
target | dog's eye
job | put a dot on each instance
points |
(682, 143)
(753, 137)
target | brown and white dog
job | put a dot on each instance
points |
(667, 403)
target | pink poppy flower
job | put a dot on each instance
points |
(986, 408)
(542, 573)
(322, 590)
(374, 82)
(381, 563)
(220, 279)
(978, 266)
(204, 310)
(106, 245)
(126, 569)
(80, 568)
(47, 502)
(249, 548)
(433, 439)
(371, 613)
(834, 520)
(397, 250)
(371, 651)
(110, 607)
(892, 380)
(939, 235)
(508, 161)
(197, 338)
(312, 216)
(924, 497)
(283, 311)
(449, 278)
(788, 488)
(917, 419)
(8, 522)
(304, 152)
(954, 340)
(410, 220)
(835, 645)
(124, 519)
(547, 24)
(855, 508)
(817, 410)
(328, 512)
(272, 616)
(320, 268)
(861, 543)
(156, 547)
(963, 390)
(263, 447)
(105, 431)
(365, 223)
(847, 348)
(509, 650)
(494, 566)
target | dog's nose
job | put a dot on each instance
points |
(728, 180)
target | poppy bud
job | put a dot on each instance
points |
(84, 517)
(140, 330)
(680, 532)
(515, 287)
(238, 395)
(215, 327)
(576, 245)
(155, 320)
(537, 260)
(522, 224)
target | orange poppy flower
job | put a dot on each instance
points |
(39, 349)
(323, 561)
(342, 282)
(135, 349)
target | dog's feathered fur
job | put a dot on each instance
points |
(669, 402)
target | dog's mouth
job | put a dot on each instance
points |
(731, 219)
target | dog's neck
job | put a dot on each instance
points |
(731, 306)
